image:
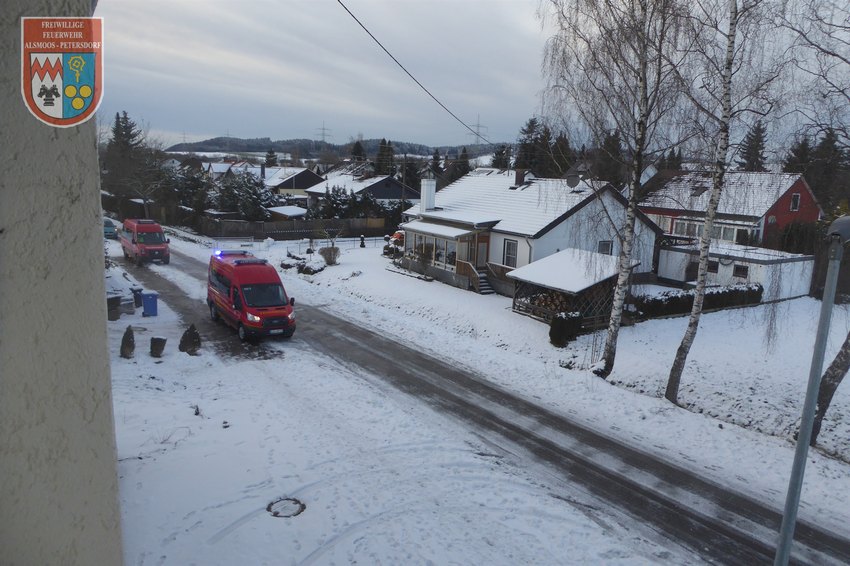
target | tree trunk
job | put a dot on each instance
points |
(157, 346)
(675, 377)
(619, 301)
(830, 381)
(628, 235)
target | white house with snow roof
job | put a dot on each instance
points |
(216, 171)
(489, 222)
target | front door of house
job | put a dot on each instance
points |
(481, 256)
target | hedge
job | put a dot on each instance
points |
(676, 302)
(564, 328)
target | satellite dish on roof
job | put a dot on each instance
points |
(577, 174)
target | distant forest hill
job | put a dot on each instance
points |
(312, 149)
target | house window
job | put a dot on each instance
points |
(605, 247)
(712, 266)
(723, 233)
(690, 229)
(743, 237)
(795, 201)
(440, 250)
(509, 255)
(451, 252)
(742, 271)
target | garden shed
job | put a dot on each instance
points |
(570, 281)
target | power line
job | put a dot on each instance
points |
(411, 76)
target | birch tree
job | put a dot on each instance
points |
(726, 76)
(609, 63)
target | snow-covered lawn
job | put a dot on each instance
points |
(387, 481)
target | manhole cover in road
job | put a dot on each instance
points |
(287, 507)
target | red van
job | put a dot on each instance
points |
(246, 292)
(143, 241)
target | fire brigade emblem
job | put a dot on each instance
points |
(62, 68)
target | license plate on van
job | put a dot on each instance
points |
(276, 331)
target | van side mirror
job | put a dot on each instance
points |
(292, 301)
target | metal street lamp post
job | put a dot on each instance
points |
(839, 234)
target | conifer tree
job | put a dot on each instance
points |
(252, 197)
(384, 159)
(752, 149)
(435, 163)
(501, 158)
(829, 163)
(610, 162)
(526, 151)
(271, 158)
(799, 156)
(544, 159)
(462, 163)
(357, 152)
(124, 157)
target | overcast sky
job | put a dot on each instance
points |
(284, 68)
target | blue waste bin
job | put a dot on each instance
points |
(149, 304)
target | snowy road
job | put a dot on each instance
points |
(718, 525)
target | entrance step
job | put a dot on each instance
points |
(484, 287)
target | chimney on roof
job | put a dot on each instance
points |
(428, 189)
(520, 177)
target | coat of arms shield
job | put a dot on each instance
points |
(62, 68)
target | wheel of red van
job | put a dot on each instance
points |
(213, 312)
(242, 334)
(139, 260)
(166, 260)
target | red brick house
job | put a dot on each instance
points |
(754, 207)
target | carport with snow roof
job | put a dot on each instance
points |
(570, 281)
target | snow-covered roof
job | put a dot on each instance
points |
(346, 181)
(289, 210)
(745, 193)
(488, 196)
(434, 229)
(281, 174)
(218, 168)
(748, 253)
(570, 270)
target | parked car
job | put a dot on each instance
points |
(246, 292)
(143, 241)
(109, 230)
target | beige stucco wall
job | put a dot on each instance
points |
(58, 483)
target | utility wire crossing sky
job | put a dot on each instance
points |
(286, 68)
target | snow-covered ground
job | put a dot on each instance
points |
(387, 481)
